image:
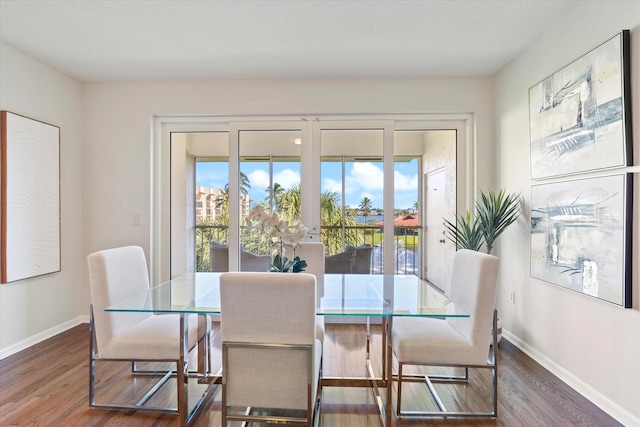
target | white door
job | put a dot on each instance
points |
(435, 210)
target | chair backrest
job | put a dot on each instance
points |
(354, 260)
(115, 275)
(273, 308)
(340, 263)
(219, 259)
(313, 254)
(474, 281)
(252, 262)
(362, 264)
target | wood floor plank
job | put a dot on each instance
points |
(47, 385)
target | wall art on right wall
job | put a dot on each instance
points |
(580, 117)
(581, 236)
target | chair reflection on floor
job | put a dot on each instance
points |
(270, 355)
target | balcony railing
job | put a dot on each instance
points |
(406, 244)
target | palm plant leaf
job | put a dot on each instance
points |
(465, 233)
(495, 212)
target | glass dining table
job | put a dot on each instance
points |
(375, 298)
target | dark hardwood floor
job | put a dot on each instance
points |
(47, 385)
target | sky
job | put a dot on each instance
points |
(362, 179)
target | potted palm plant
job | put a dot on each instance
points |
(494, 212)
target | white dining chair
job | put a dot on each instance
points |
(354, 260)
(271, 358)
(117, 275)
(219, 259)
(454, 341)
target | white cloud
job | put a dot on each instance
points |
(405, 182)
(364, 176)
(332, 185)
(286, 178)
(259, 180)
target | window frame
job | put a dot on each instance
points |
(161, 262)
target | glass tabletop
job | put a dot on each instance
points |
(338, 295)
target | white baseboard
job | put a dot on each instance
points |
(35, 339)
(603, 402)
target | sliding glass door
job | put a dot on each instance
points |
(357, 184)
(269, 179)
(352, 199)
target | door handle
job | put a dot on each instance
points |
(441, 240)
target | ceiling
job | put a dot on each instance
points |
(118, 40)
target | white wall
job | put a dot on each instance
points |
(592, 345)
(37, 308)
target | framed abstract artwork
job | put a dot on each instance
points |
(580, 117)
(29, 198)
(581, 236)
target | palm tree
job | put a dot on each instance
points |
(276, 193)
(289, 205)
(245, 185)
(208, 231)
(222, 201)
(365, 207)
(331, 223)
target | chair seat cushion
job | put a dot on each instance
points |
(154, 338)
(430, 341)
